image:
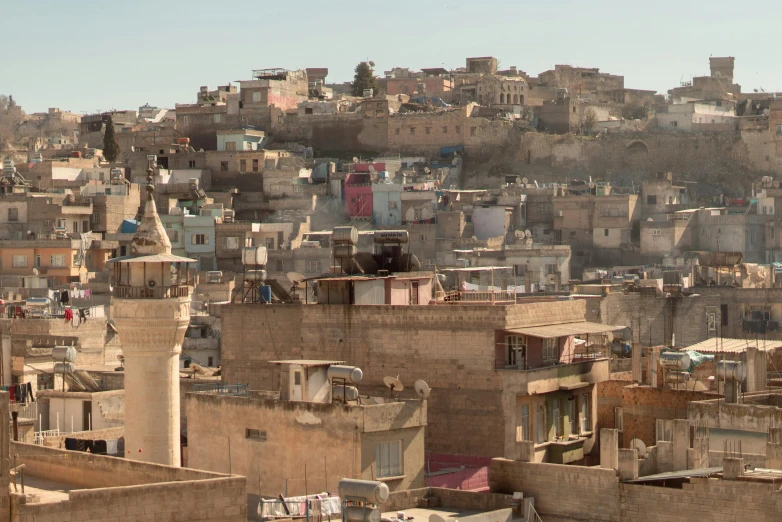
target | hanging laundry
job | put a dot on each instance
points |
(64, 298)
(30, 392)
(11, 396)
(87, 293)
(68, 314)
(83, 313)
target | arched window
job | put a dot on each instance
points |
(502, 98)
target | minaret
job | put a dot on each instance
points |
(151, 310)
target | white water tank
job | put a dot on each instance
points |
(341, 251)
(674, 360)
(391, 236)
(344, 235)
(373, 491)
(254, 255)
(731, 371)
(64, 354)
(351, 374)
(348, 393)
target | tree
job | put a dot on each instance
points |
(364, 79)
(110, 146)
(588, 121)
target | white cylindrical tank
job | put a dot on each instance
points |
(351, 374)
(345, 250)
(255, 275)
(63, 367)
(64, 354)
(731, 371)
(362, 514)
(344, 236)
(678, 376)
(372, 490)
(348, 393)
(391, 236)
(674, 360)
(254, 255)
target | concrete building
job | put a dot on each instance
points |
(492, 369)
(240, 140)
(696, 116)
(151, 310)
(374, 438)
(659, 196)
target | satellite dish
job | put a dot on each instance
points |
(524, 180)
(427, 170)
(519, 234)
(35, 271)
(422, 389)
(527, 233)
(393, 383)
(371, 169)
(197, 368)
(355, 159)
(475, 238)
(639, 445)
(121, 358)
(295, 278)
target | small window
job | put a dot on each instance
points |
(396, 131)
(19, 261)
(428, 130)
(651, 199)
(445, 130)
(243, 165)
(253, 434)
(231, 243)
(664, 429)
(256, 97)
(210, 361)
(657, 232)
(217, 118)
(550, 350)
(468, 218)
(412, 131)
(586, 413)
(522, 428)
(423, 237)
(556, 418)
(57, 260)
(605, 232)
(13, 214)
(458, 129)
(96, 216)
(255, 165)
(199, 239)
(230, 145)
(540, 425)
(297, 378)
(173, 235)
(779, 130)
(308, 110)
(619, 422)
(191, 164)
(224, 166)
(388, 459)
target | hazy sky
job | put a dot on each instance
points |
(90, 55)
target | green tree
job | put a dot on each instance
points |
(110, 146)
(364, 79)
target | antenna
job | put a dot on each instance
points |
(422, 389)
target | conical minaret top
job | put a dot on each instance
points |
(151, 237)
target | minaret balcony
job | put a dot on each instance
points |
(154, 292)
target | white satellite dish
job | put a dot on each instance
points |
(519, 234)
(427, 170)
(524, 180)
(527, 233)
(393, 383)
(422, 389)
(355, 159)
(197, 368)
(371, 169)
(639, 445)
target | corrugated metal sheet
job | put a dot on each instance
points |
(561, 330)
(678, 475)
(726, 345)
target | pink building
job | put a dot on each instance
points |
(358, 195)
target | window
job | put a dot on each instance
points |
(540, 425)
(544, 209)
(779, 130)
(37, 260)
(396, 131)
(586, 413)
(231, 243)
(96, 217)
(724, 314)
(428, 130)
(574, 110)
(255, 165)
(307, 110)
(445, 130)
(191, 164)
(217, 118)
(473, 131)
(664, 430)
(199, 239)
(224, 166)
(711, 321)
(657, 232)
(230, 145)
(468, 218)
(551, 269)
(243, 165)
(522, 428)
(19, 261)
(313, 267)
(674, 124)
(572, 416)
(516, 350)
(550, 350)
(210, 361)
(388, 459)
(47, 224)
(270, 243)
(605, 232)
(423, 237)
(458, 129)
(412, 131)
(392, 205)
(418, 214)
(57, 260)
(252, 434)
(619, 419)
(256, 97)
(13, 214)
(173, 235)
(556, 418)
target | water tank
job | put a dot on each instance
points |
(254, 255)
(310, 244)
(678, 376)
(63, 367)
(372, 490)
(351, 374)
(266, 294)
(362, 514)
(344, 236)
(731, 371)
(349, 393)
(255, 275)
(674, 360)
(391, 236)
(345, 250)
(64, 354)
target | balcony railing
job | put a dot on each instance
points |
(476, 296)
(159, 292)
(221, 389)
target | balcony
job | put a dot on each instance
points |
(142, 292)
(476, 297)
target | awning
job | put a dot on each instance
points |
(563, 330)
